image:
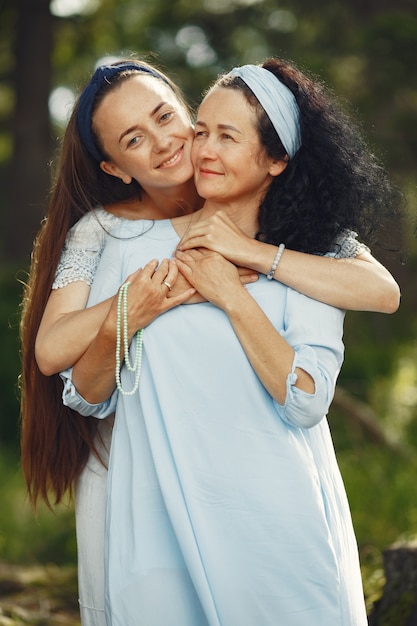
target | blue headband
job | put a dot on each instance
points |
(278, 102)
(103, 74)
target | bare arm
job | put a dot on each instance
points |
(94, 372)
(361, 283)
(358, 284)
(269, 353)
(67, 327)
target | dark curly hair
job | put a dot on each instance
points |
(334, 182)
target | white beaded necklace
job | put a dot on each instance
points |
(136, 367)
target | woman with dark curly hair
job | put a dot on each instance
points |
(333, 184)
(225, 504)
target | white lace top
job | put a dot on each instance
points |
(83, 247)
(347, 246)
(85, 242)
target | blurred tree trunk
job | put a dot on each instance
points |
(29, 176)
(398, 605)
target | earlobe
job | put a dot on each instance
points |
(277, 167)
(109, 168)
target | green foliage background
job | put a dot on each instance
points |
(366, 51)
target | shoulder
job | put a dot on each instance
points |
(92, 229)
(83, 247)
(128, 230)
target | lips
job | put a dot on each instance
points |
(171, 160)
(204, 171)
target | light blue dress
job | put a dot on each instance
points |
(224, 508)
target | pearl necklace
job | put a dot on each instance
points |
(137, 365)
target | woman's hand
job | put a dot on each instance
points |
(153, 290)
(246, 276)
(219, 234)
(93, 374)
(213, 276)
(181, 284)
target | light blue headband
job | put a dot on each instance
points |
(278, 101)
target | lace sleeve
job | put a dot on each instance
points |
(347, 246)
(83, 248)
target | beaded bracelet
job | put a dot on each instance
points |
(277, 259)
(137, 365)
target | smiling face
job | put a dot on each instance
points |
(146, 133)
(229, 161)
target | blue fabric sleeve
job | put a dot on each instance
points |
(72, 399)
(315, 331)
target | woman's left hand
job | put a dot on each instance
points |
(219, 233)
(213, 276)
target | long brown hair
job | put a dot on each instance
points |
(56, 441)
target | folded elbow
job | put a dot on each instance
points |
(392, 299)
(46, 361)
(46, 368)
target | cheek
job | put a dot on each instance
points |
(189, 130)
(194, 153)
(184, 128)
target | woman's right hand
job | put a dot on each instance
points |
(153, 290)
(147, 297)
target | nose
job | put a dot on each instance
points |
(161, 141)
(205, 148)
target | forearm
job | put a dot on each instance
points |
(268, 352)
(94, 373)
(352, 284)
(64, 336)
(357, 284)
(143, 298)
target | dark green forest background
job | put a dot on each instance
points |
(366, 51)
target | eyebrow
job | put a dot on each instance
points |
(220, 126)
(135, 127)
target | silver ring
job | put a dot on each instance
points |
(165, 282)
